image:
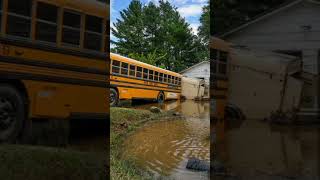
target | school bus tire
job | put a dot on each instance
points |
(12, 113)
(114, 97)
(161, 97)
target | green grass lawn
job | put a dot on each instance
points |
(37, 163)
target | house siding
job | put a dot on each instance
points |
(288, 30)
(199, 71)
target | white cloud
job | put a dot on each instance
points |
(190, 10)
(194, 27)
(200, 1)
(180, 1)
(175, 2)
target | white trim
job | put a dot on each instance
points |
(202, 62)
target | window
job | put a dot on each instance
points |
(1, 11)
(223, 56)
(156, 76)
(222, 68)
(169, 78)
(222, 62)
(213, 67)
(71, 28)
(219, 64)
(176, 80)
(139, 72)
(179, 82)
(161, 77)
(213, 54)
(115, 66)
(165, 79)
(46, 27)
(93, 33)
(145, 73)
(124, 68)
(19, 18)
(172, 81)
(151, 74)
(106, 36)
(132, 70)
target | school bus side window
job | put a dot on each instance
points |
(156, 76)
(132, 70)
(115, 66)
(46, 27)
(165, 78)
(93, 33)
(222, 62)
(213, 60)
(161, 77)
(145, 73)
(169, 79)
(1, 10)
(124, 68)
(139, 72)
(213, 54)
(19, 18)
(223, 56)
(151, 75)
(71, 28)
(106, 37)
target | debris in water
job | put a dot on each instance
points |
(154, 109)
(198, 165)
(176, 114)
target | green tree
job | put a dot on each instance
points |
(151, 58)
(152, 31)
(129, 30)
(204, 28)
(175, 38)
(204, 34)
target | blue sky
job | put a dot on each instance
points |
(189, 9)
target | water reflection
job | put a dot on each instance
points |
(167, 106)
(165, 146)
(256, 149)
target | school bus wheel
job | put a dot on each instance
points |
(161, 97)
(114, 97)
(12, 113)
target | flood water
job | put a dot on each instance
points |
(254, 149)
(164, 147)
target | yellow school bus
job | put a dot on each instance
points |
(131, 79)
(53, 62)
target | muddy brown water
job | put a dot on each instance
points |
(164, 147)
(253, 149)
